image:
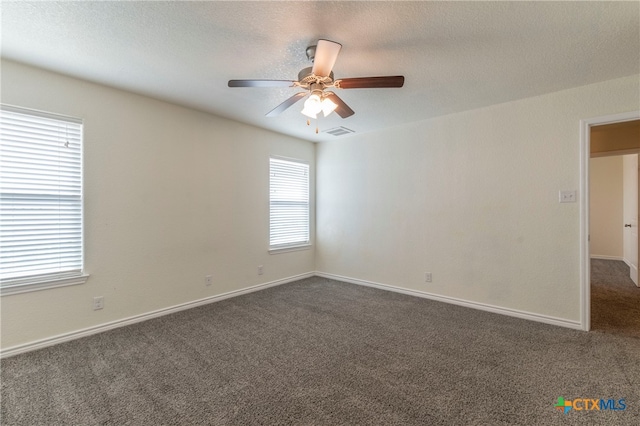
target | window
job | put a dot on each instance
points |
(40, 200)
(288, 204)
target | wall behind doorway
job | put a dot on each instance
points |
(606, 207)
(630, 198)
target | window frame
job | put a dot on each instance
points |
(45, 281)
(296, 246)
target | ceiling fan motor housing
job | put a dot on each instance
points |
(306, 77)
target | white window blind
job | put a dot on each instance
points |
(40, 195)
(288, 203)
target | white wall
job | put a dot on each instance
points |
(471, 197)
(605, 213)
(630, 202)
(171, 194)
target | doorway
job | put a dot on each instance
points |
(613, 231)
(591, 141)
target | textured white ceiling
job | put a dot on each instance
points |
(455, 56)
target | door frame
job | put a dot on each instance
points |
(585, 155)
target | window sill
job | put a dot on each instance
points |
(28, 285)
(289, 249)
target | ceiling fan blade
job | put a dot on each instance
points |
(370, 82)
(325, 57)
(261, 83)
(286, 104)
(343, 109)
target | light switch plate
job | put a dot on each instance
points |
(568, 196)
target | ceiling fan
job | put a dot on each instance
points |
(316, 79)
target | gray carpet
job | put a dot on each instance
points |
(321, 352)
(615, 299)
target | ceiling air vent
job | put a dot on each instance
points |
(339, 131)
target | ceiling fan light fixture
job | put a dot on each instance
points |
(312, 106)
(309, 114)
(328, 106)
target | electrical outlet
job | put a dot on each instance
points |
(427, 277)
(208, 280)
(98, 303)
(567, 196)
(260, 269)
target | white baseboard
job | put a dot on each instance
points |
(604, 257)
(461, 302)
(65, 337)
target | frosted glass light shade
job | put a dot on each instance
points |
(312, 106)
(328, 106)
